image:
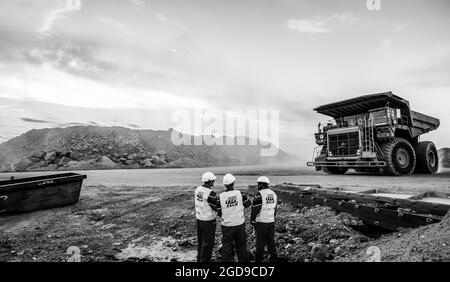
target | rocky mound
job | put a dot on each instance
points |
(444, 157)
(425, 244)
(92, 147)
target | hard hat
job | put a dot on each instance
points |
(228, 179)
(263, 179)
(208, 176)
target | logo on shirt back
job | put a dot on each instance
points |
(270, 199)
(231, 201)
(200, 196)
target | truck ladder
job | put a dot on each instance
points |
(368, 135)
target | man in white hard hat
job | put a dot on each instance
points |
(264, 209)
(206, 212)
(230, 208)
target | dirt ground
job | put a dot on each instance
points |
(121, 223)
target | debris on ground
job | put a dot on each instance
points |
(158, 224)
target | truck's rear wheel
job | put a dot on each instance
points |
(334, 170)
(427, 158)
(399, 156)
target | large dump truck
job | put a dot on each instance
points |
(375, 133)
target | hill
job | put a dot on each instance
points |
(93, 147)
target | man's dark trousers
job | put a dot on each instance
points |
(265, 235)
(206, 231)
(234, 236)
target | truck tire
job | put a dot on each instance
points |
(427, 158)
(399, 156)
(334, 170)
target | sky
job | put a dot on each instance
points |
(134, 62)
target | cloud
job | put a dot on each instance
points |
(65, 124)
(346, 17)
(387, 43)
(171, 22)
(73, 57)
(47, 25)
(161, 18)
(60, 124)
(320, 24)
(133, 125)
(139, 3)
(400, 27)
(47, 84)
(34, 120)
(114, 23)
(307, 26)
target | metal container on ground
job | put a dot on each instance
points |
(38, 193)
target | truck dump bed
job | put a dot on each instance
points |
(361, 105)
(418, 122)
(422, 123)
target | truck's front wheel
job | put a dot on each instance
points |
(399, 156)
(334, 170)
(427, 158)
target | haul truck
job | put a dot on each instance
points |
(375, 133)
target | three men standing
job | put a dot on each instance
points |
(230, 206)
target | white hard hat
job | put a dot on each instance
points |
(263, 179)
(228, 179)
(208, 176)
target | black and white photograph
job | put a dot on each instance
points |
(249, 133)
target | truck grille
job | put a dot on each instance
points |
(345, 144)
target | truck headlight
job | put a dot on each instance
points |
(330, 154)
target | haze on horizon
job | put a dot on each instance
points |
(133, 62)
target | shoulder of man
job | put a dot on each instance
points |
(245, 200)
(223, 194)
(257, 200)
(213, 193)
